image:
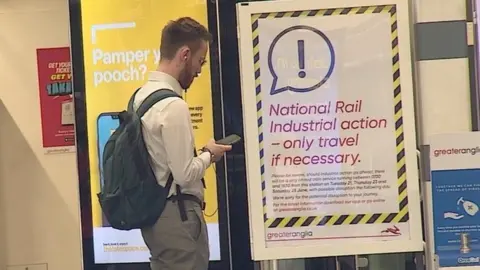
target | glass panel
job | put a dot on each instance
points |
(394, 261)
(291, 264)
(309, 264)
(347, 262)
(386, 262)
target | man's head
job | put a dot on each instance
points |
(184, 48)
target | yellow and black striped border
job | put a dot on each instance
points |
(313, 221)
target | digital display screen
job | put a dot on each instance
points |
(120, 45)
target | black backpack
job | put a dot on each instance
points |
(131, 197)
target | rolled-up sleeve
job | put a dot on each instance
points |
(178, 139)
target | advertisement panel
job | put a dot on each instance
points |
(328, 113)
(56, 101)
(121, 44)
(455, 185)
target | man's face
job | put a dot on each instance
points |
(193, 65)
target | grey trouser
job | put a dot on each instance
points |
(175, 244)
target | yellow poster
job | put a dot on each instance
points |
(121, 40)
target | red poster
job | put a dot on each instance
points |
(56, 99)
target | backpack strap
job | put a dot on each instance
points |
(132, 100)
(153, 98)
(169, 183)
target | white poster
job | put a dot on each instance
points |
(452, 204)
(331, 110)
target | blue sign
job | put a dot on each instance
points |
(456, 217)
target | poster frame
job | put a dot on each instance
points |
(78, 72)
(431, 258)
(335, 247)
(48, 148)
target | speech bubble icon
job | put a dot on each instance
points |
(292, 43)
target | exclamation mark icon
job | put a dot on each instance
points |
(301, 58)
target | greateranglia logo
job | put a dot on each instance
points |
(456, 151)
(289, 235)
(466, 260)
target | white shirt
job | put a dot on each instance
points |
(168, 135)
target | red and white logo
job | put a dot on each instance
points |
(392, 231)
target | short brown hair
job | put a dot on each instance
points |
(183, 31)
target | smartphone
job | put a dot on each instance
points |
(229, 140)
(107, 123)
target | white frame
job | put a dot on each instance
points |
(335, 247)
(431, 263)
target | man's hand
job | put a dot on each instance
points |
(217, 150)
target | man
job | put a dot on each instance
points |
(179, 240)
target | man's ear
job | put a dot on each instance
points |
(184, 53)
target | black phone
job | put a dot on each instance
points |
(229, 140)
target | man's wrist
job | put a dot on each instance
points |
(206, 150)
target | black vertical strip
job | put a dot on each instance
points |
(81, 134)
(473, 64)
(236, 190)
(219, 131)
(473, 81)
(471, 7)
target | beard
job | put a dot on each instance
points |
(186, 77)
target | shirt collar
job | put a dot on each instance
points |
(157, 76)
